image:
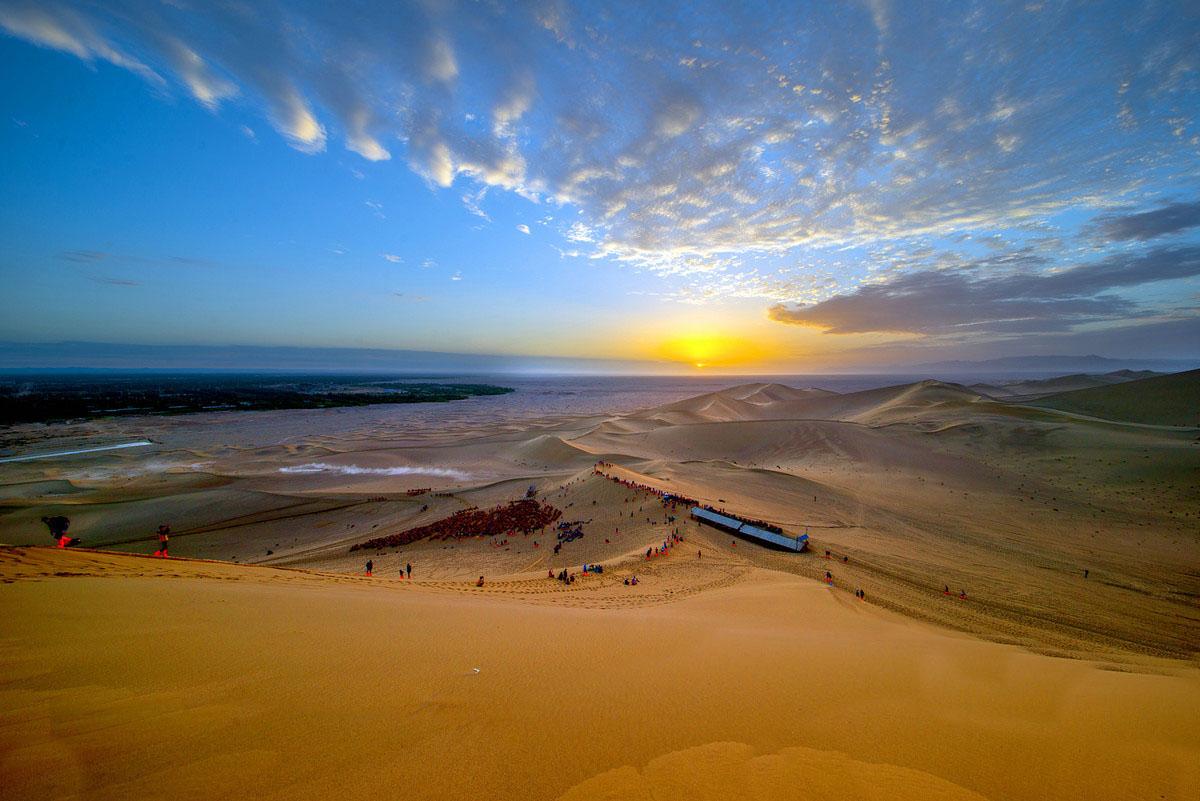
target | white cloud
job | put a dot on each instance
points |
(472, 203)
(294, 119)
(367, 147)
(393, 258)
(59, 28)
(676, 118)
(206, 86)
(578, 232)
(440, 62)
(523, 228)
(457, 276)
(432, 160)
(360, 141)
(516, 100)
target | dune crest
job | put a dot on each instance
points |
(778, 402)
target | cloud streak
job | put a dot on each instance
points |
(1170, 219)
(961, 301)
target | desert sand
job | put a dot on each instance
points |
(729, 671)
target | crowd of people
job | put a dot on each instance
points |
(568, 532)
(664, 548)
(669, 499)
(518, 517)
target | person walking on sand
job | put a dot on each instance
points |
(408, 568)
(370, 566)
(164, 537)
(480, 582)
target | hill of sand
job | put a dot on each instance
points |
(1169, 400)
(1029, 389)
(744, 402)
(729, 670)
(130, 677)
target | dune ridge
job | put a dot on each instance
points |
(1170, 400)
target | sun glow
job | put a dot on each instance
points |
(710, 349)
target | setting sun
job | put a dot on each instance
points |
(702, 349)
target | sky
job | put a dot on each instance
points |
(710, 186)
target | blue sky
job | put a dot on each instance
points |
(767, 186)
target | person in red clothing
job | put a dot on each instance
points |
(58, 526)
(164, 537)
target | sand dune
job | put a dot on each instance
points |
(775, 402)
(550, 450)
(1171, 400)
(312, 680)
(743, 402)
(882, 406)
(1039, 387)
(255, 681)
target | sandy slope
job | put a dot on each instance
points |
(729, 671)
(1035, 388)
(1171, 400)
(133, 677)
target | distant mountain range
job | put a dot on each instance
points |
(1055, 364)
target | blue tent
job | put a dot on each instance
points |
(741, 528)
